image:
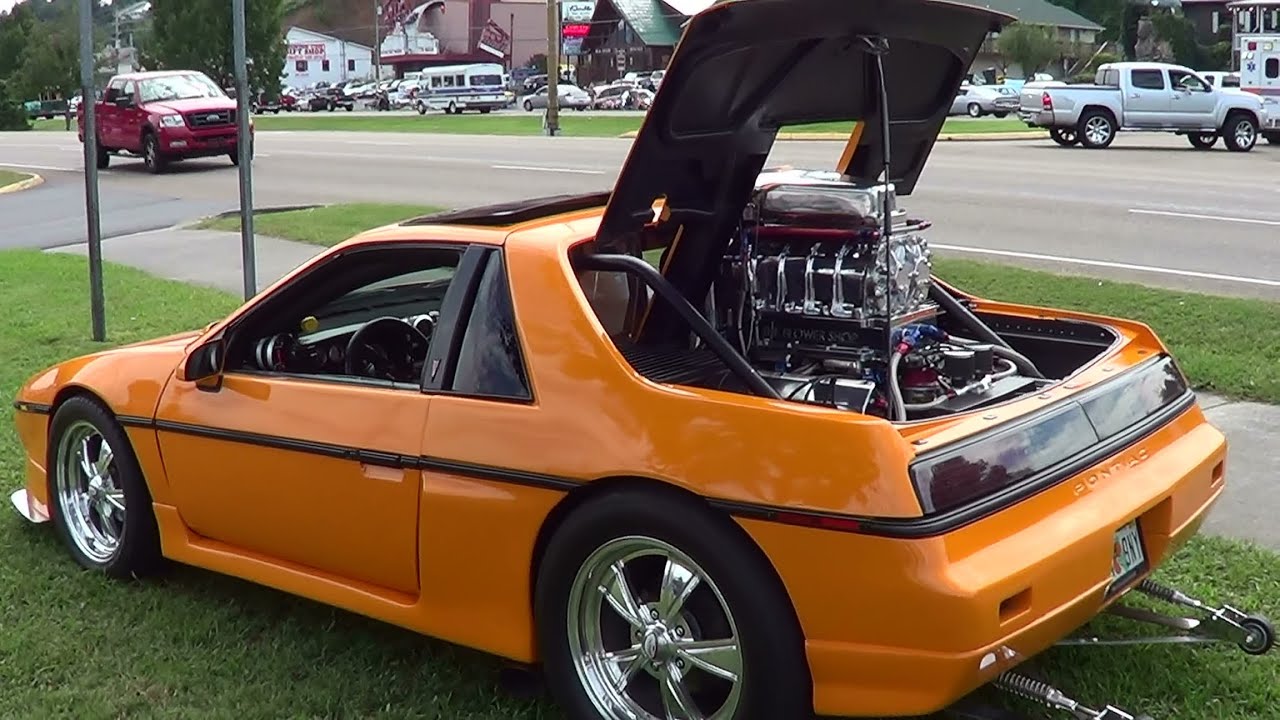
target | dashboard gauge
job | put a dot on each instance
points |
(274, 353)
(425, 325)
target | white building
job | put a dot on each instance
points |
(313, 57)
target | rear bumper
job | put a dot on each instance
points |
(908, 627)
(1036, 118)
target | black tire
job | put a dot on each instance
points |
(138, 551)
(1066, 137)
(103, 158)
(151, 155)
(528, 105)
(1202, 141)
(422, 108)
(769, 638)
(974, 110)
(1096, 129)
(1240, 132)
(1264, 636)
(1000, 114)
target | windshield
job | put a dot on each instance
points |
(178, 87)
(486, 80)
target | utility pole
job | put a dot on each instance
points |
(377, 40)
(552, 122)
(87, 99)
(244, 149)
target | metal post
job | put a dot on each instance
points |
(92, 217)
(553, 67)
(377, 40)
(244, 149)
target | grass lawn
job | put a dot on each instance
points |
(571, 124)
(324, 225)
(52, 125)
(9, 177)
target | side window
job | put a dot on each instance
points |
(1147, 79)
(1272, 68)
(367, 316)
(113, 90)
(490, 363)
(1182, 80)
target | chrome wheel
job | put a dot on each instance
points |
(651, 635)
(1245, 134)
(1097, 130)
(91, 500)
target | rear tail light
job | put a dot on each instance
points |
(1046, 102)
(1028, 456)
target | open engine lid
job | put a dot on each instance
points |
(745, 68)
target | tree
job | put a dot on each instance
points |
(197, 35)
(12, 114)
(15, 28)
(1032, 47)
(52, 62)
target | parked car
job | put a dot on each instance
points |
(330, 99)
(978, 100)
(571, 96)
(164, 116)
(775, 470)
(1143, 96)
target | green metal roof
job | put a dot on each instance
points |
(1040, 12)
(655, 23)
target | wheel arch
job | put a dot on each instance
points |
(1102, 108)
(578, 497)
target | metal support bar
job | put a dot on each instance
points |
(244, 150)
(93, 218)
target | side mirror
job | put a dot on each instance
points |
(205, 364)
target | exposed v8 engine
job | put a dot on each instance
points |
(827, 290)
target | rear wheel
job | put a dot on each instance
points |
(1240, 132)
(99, 501)
(528, 105)
(1066, 137)
(1096, 129)
(974, 110)
(1202, 141)
(103, 156)
(653, 607)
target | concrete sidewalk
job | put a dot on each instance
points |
(1248, 510)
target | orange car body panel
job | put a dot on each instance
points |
(451, 554)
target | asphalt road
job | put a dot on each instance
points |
(1149, 208)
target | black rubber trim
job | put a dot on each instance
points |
(512, 213)
(906, 528)
(30, 407)
(135, 421)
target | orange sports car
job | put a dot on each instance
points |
(780, 470)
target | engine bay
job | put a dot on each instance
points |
(827, 291)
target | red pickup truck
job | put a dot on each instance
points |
(165, 116)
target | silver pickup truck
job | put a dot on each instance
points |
(1143, 96)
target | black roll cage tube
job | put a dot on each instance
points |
(660, 285)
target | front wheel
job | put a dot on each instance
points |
(103, 156)
(974, 110)
(528, 106)
(649, 606)
(1240, 132)
(151, 155)
(99, 501)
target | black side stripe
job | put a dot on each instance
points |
(35, 408)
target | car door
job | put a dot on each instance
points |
(1192, 100)
(1147, 99)
(296, 457)
(107, 114)
(129, 119)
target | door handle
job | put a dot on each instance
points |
(1135, 95)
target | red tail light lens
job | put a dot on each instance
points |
(1046, 102)
(1036, 453)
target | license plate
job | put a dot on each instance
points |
(1128, 557)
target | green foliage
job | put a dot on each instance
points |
(12, 115)
(15, 28)
(51, 66)
(1032, 47)
(197, 35)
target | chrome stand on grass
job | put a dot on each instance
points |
(1051, 696)
(1252, 634)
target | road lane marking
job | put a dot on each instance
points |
(20, 166)
(536, 168)
(1194, 216)
(1109, 264)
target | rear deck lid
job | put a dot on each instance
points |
(745, 68)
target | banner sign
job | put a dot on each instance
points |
(495, 40)
(577, 11)
(307, 51)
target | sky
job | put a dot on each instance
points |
(6, 5)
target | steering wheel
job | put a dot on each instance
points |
(387, 348)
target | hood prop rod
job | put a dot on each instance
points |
(878, 46)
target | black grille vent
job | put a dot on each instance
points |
(210, 118)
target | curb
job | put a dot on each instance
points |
(21, 185)
(236, 212)
(949, 137)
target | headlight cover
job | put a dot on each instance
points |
(172, 121)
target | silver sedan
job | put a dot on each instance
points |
(571, 96)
